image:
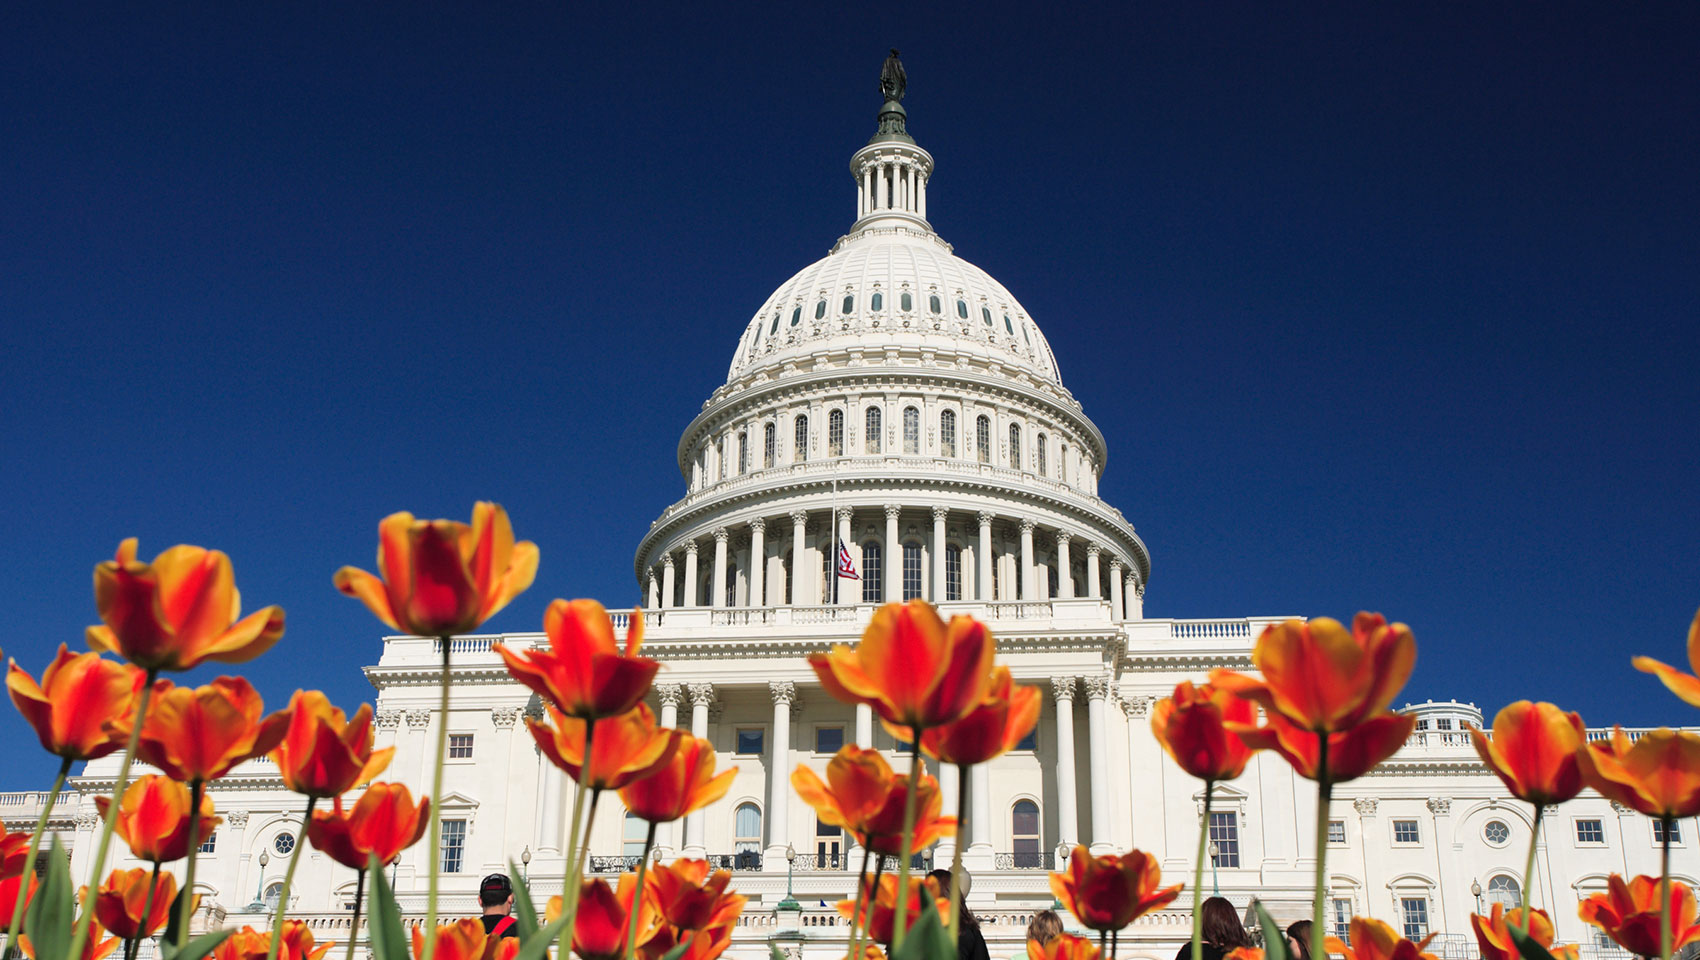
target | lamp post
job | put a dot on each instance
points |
(1215, 887)
(259, 904)
(790, 902)
(1476, 891)
(525, 863)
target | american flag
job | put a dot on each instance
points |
(846, 565)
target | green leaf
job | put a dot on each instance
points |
(683, 945)
(538, 946)
(1274, 938)
(195, 949)
(928, 938)
(48, 919)
(525, 914)
(171, 924)
(389, 942)
(1527, 946)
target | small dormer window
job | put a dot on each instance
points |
(937, 307)
(908, 302)
(1008, 326)
(820, 309)
(962, 309)
(796, 315)
(877, 303)
(775, 328)
(986, 315)
(849, 303)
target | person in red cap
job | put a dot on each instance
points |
(496, 896)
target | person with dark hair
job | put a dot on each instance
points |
(1222, 931)
(970, 945)
(1298, 940)
(496, 896)
(1044, 927)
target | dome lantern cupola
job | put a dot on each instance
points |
(891, 171)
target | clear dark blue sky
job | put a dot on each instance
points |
(1385, 306)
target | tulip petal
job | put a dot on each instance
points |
(1684, 685)
(369, 590)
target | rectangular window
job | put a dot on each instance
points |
(1014, 447)
(829, 846)
(829, 739)
(454, 845)
(767, 446)
(1225, 839)
(911, 430)
(210, 843)
(953, 572)
(1340, 918)
(743, 453)
(720, 455)
(873, 573)
(947, 433)
(750, 742)
(1337, 832)
(1414, 912)
(835, 434)
(1444, 723)
(1590, 831)
(1405, 831)
(983, 440)
(1422, 724)
(1031, 741)
(460, 746)
(911, 571)
(1659, 831)
(800, 440)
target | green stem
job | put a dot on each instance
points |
(862, 888)
(134, 946)
(908, 841)
(962, 774)
(81, 935)
(196, 788)
(1664, 889)
(354, 928)
(1324, 799)
(572, 877)
(35, 847)
(288, 878)
(437, 806)
(1198, 876)
(637, 894)
(572, 894)
(1529, 872)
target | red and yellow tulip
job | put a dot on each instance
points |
(324, 753)
(1322, 678)
(1493, 933)
(692, 896)
(9, 894)
(14, 853)
(121, 900)
(1351, 753)
(863, 795)
(199, 733)
(383, 823)
(583, 673)
(1684, 685)
(178, 611)
(1374, 940)
(685, 782)
(1535, 750)
(1063, 946)
(461, 940)
(879, 905)
(1111, 891)
(1191, 724)
(83, 707)
(1657, 774)
(624, 749)
(603, 918)
(912, 668)
(442, 577)
(153, 818)
(250, 944)
(989, 729)
(98, 946)
(1629, 914)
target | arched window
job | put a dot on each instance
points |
(797, 315)
(1504, 889)
(953, 572)
(933, 302)
(743, 452)
(835, 433)
(767, 447)
(986, 315)
(775, 328)
(820, 310)
(982, 438)
(274, 890)
(1039, 454)
(746, 835)
(947, 433)
(800, 449)
(874, 431)
(911, 570)
(962, 309)
(632, 834)
(907, 302)
(849, 303)
(873, 573)
(877, 303)
(1024, 833)
(720, 455)
(1008, 326)
(1014, 446)
(911, 430)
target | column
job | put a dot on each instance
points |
(1135, 603)
(949, 783)
(848, 590)
(1098, 745)
(1440, 827)
(1029, 590)
(717, 593)
(1065, 569)
(921, 187)
(670, 694)
(984, 579)
(867, 190)
(1068, 812)
(758, 562)
(938, 554)
(692, 588)
(1115, 590)
(1092, 588)
(654, 592)
(702, 694)
(779, 776)
(667, 582)
(893, 556)
(979, 851)
(864, 726)
(1146, 766)
(550, 815)
(799, 543)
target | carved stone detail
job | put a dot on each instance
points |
(1097, 687)
(784, 691)
(670, 694)
(701, 692)
(1365, 806)
(1138, 706)
(387, 719)
(505, 717)
(418, 719)
(1440, 806)
(237, 818)
(1062, 688)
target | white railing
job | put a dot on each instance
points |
(467, 644)
(1209, 629)
(32, 798)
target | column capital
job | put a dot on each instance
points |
(667, 560)
(1093, 549)
(701, 693)
(505, 717)
(1097, 687)
(845, 514)
(387, 719)
(418, 719)
(1063, 537)
(691, 549)
(939, 513)
(986, 517)
(721, 534)
(1062, 688)
(671, 694)
(1136, 706)
(237, 818)
(1027, 524)
(759, 524)
(1365, 806)
(891, 511)
(1115, 565)
(783, 691)
(651, 575)
(1440, 806)
(799, 516)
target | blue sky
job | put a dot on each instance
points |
(1387, 307)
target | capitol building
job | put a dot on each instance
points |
(895, 397)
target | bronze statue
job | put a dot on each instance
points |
(892, 79)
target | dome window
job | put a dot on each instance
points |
(820, 309)
(1026, 336)
(796, 315)
(937, 307)
(873, 432)
(908, 302)
(962, 309)
(775, 327)
(877, 303)
(986, 315)
(849, 303)
(1008, 326)
(947, 433)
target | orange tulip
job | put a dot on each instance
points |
(462, 940)
(94, 948)
(250, 944)
(9, 895)
(624, 749)
(1658, 774)
(1684, 685)
(1351, 754)
(604, 916)
(1374, 940)
(14, 854)
(153, 818)
(199, 733)
(1245, 953)
(583, 672)
(1110, 892)
(298, 942)
(383, 823)
(1322, 678)
(442, 577)
(322, 753)
(1493, 932)
(1535, 750)
(692, 897)
(863, 795)
(705, 944)
(1190, 725)
(914, 670)
(122, 898)
(178, 611)
(82, 709)
(1063, 946)
(685, 782)
(1629, 914)
(990, 729)
(879, 905)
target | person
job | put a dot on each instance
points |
(1298, 940)
(1044, 927)
(1222, 931)
(970, 945)
(496, 896)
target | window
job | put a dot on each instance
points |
(835, 433)
(907, 302)
(1405, 831)
(829, 845)
(1029, 742)
(952, 572)
(749, 742)
(800, 449)
(911, 430)
(873, 573)
(1337, 832)
(1659, 832)
(720, 455)
(460, 746)
(1590, 831)
(210, 844)
(273, 892)
(743, 452)
(986, 315)
(849, 303)
(1414, 912)
(878, 303)
(983, 438)
(1225, 834)
(746, 829)
(1050, 580)
(775, 328)
(454, 845)
(829, 739)
(796, 315)
(283, 843)
(790, 581)
(1024, 334)
(1444, 723)
(947, 433)
(873, 430)
(1496, 832)
(768, 445)
(911, 570)
(1024, 833)
(1039, 455)
(820, 310)
(1340, 918)
(1504, 889)
(632, 834)
(962, 309)
(1008, 326)
(1062, 464)
(1014, 446)
(1422, 724)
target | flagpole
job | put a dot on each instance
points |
(836, 575)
